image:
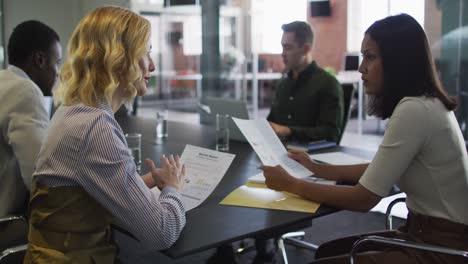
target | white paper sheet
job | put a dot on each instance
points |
(204, 169)
(260, 178)
(338, 158)
(268, 146)
(257, 178)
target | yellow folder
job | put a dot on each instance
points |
(259, 196)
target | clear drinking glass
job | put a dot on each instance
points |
(222, 132)
(161, 124)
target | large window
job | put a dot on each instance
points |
(267, 18)
(362, 13)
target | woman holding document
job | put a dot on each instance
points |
(423, 151)
(85, 176)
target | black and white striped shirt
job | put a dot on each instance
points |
(86, 147)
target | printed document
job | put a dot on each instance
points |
(268, 146)
(204, 169)
(338, 158)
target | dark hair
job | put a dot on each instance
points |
(408, 66)
(27, 38)
(301, 30)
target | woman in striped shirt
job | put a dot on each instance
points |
(85, 177)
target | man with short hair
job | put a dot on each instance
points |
(34, 55)
(308, 103)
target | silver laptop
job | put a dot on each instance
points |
(233, 108)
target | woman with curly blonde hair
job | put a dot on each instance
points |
(85, 177)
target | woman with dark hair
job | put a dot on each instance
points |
(423, 151)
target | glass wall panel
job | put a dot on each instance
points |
(249, 44)
(2, 38)
(451, 54)
(176, 54)
(177, 49)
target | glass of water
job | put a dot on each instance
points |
(222, 132)
(134, 144)
(161, 124)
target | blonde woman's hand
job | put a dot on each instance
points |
(277, 178)
(170, 174)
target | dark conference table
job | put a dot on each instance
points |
(211, 224)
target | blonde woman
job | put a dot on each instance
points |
(85, 177)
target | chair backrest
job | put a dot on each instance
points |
(402, 243)
(13, 255)
(13, 230)
(348, 93)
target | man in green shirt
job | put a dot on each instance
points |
(308, 106)
(308, 103)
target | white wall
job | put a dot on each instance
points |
(60, 15)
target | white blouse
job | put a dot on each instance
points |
(424, 151)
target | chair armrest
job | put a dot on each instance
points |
(388, 216)
(13, 250)
(404, 243)
(11, 218)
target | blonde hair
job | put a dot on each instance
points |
(103, 54)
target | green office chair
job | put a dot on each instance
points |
(393, 242)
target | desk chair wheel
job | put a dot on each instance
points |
(245, 247)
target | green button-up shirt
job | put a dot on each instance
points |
(311, 106)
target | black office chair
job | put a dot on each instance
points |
(348, 94)
(13, 239)
(13, 255)
(393, 242)
(14, 231)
